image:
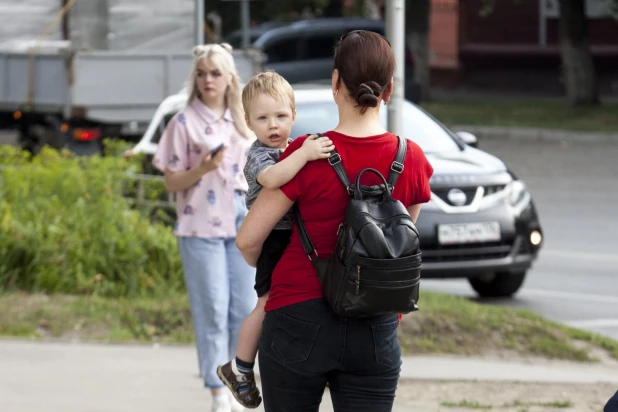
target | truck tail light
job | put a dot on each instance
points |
(86, 134)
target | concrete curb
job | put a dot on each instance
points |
(74, 377)
(58, 357)
(457, 368)
(524, 133)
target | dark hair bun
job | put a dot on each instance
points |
(367, 94)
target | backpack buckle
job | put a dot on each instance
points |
(397, 167)
(334, 159)
(315, 255)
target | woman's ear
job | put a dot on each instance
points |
(335, 81)
(388, 92)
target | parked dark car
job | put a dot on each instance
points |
(302, 52)
(234, 39)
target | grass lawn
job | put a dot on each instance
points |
(445, 324)
(537, 113)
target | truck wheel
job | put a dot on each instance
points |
(503, 284)
(28, 142)
(39, 135)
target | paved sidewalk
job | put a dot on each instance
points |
(65, 377)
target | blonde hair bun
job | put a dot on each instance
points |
(227, 47)
(197, 50)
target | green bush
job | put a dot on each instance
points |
(66, 227)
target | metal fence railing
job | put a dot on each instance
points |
(169, 200)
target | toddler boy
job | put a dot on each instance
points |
(270, 111)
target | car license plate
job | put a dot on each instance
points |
(468, 233)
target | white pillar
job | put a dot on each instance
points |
(395, 33)
(199, 22)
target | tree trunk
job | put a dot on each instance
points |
(417, 41)
(66, 34)
(578, 68)
(371, 10)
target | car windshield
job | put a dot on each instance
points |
(314, 117)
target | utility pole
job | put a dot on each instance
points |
(244, 18)
(245, 22)
(395, 33)
(199, 22)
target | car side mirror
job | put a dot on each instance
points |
(468, 138)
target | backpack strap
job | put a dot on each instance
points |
(397, 165)
(335, 161)
(308, 246)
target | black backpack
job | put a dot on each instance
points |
(375, 267)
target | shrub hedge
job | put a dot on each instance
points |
(67, 226)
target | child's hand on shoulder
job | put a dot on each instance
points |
(315, 147)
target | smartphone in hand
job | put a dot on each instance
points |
(214, 151)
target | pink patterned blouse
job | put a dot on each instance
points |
(206, 209)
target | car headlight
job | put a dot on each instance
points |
(517, 192)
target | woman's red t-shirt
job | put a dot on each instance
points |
(322, 200)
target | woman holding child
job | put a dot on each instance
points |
(202, 154)
(304, 346)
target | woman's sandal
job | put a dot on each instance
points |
(250, 398)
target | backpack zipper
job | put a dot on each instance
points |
(360, 214)
(387, 219)
(357, 279)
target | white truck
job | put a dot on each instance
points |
(100, 70)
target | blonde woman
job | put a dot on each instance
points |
(202, 154)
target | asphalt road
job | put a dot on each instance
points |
(575, 188)
(8, 137)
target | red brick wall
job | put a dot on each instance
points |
(444, 34)
(510, 23)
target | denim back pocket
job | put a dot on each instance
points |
(293, 338)
(386, 342)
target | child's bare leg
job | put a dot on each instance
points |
(250, 332)
(238, 373)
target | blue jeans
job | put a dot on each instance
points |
(220, 287)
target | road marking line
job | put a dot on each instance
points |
(570, 295)
(591, 323)
(612, 257)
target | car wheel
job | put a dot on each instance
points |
(500, 285)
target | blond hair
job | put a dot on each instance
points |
(270, 83)
(220, 56)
